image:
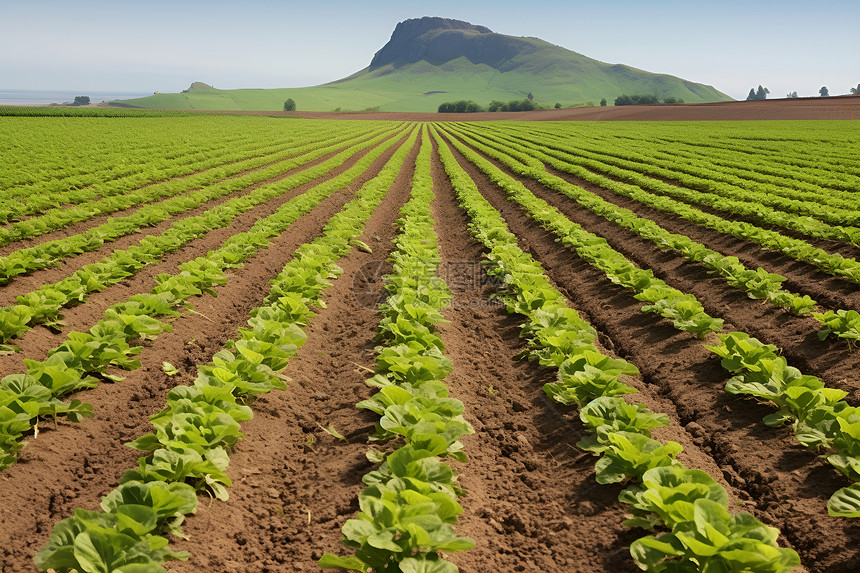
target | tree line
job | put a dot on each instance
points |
(761, 93)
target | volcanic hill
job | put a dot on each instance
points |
(431, 60)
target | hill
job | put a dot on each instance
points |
(431, 60)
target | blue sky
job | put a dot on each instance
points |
(165, 45)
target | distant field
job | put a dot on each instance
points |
(568, 322)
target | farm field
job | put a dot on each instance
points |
(573, 346)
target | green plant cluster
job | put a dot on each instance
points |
(685, 310)
(816, 159)
(843, 323)
(760, 374)
(410, 502)
(52, 252)
(184, 194)
(781, 186)
(150, 164)
(43, 305)
(70, 367)
(57, 155)
(556, 157)
(758, 283)
(701, 534)
(188, 452)
(774, 204)
(820, 417)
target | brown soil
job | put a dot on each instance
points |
(836, 107)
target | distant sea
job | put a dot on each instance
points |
(36, 97)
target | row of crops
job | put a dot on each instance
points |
(110, 213)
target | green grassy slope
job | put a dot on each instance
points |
(428, 62)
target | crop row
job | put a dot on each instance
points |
(798, 249)
(757, 283)
(188, 452)
(51, 253)
(60, 217)
(38, 198)
(42, 306)
(410, 502)
(72, 366)
(769, 378)
(702, 534)
(722, 197)
(55, 154)
(697, 170)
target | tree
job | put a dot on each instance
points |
(855, 91)
(636, 100)
(791, 95)
(290, 105)
(82, 100)
(603, 102)
(530, 96)
(823, 92)
(557, 105)
(759, 94)
(461, 106)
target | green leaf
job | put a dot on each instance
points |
(845, 502)
(331, 561)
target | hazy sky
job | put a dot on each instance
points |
(164, 45)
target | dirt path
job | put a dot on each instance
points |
(79, 463)
(781, 483)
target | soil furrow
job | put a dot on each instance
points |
(77, 465)
(777, 480)
(294, 484)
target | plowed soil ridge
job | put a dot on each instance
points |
(77, 464)
(781, 483)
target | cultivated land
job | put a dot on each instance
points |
(220, 289)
